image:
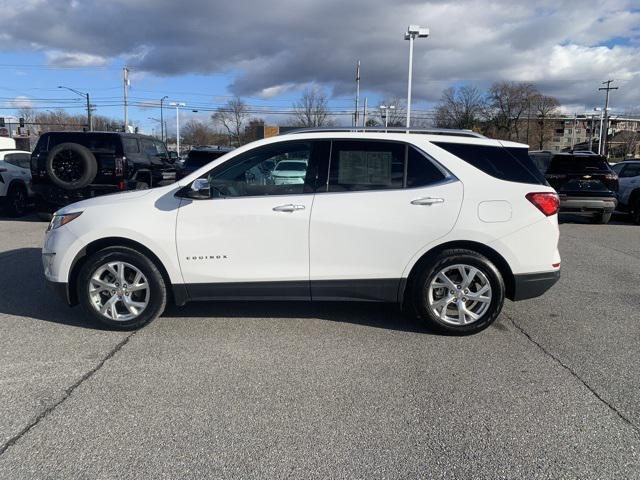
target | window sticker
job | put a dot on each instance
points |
(364, 168)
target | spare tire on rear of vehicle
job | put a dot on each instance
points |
(71, 166)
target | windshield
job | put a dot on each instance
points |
(295, 166)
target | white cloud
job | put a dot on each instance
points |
(566, 46)
(74, 59)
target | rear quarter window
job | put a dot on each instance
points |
(506, 163)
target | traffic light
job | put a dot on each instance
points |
(2, 125)
(21, 122)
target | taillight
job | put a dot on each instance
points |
(547, 202)
(119, 167)
(122, 185)
(611, 176)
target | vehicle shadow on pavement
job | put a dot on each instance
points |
(376, 315)
(23, 292)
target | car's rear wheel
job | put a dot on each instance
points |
(460, 292)
(17, 200)
(121, 288)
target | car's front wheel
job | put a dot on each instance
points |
(460, 292)
(121, 288)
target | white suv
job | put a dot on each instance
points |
(15, 180)
(445, 223)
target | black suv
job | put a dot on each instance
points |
(199, 157)
(67, 167)
(585, 182)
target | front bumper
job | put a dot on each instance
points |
(61, 289)
(587, 205)
(531, 285)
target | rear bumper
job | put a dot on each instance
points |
(586, 205)
(531, 285)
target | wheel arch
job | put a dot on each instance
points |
(497, 259)
(177, 292)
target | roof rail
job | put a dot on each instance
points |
(426, 131)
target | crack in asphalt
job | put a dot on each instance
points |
(67, 393)
(557, 359)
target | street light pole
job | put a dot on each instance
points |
(608, 88)
(178, 105)
(385, 109)
(85, 95)
(162, 117)
(413, 32)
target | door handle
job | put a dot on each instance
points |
(427, 201)
(289, 207)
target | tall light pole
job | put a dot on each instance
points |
(86, 96)
(178, 105)
(601, 110)
(385, 109)
(413, 32)
(162, 117)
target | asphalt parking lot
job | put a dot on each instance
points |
(552, 390)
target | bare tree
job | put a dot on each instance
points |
(197, 132)
(462, 107)
(312, 110)
(624, 144)
(509, 102)
(232, 118)
(544, 107)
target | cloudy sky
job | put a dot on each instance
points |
(202, 51)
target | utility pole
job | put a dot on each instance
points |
(573, 131)
(125, 78)
(162, 129)
(355, 116)
(364, 114)
(608, 88)
(89, 117)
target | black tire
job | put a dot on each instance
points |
(71, 166)
(45, 216)
(458, 257)
(142, 186)
(17, 200)
(602, 218)
(157, 288)
(635, 211)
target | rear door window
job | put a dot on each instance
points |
(366, 165)
(506, 163)
(421, 171)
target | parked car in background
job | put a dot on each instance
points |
(289, 172)
(447, 224)
(15, 181)
(198, 157)
(585, 182)
(70, 166)
(629, 192)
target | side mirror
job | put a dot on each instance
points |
(200, 189)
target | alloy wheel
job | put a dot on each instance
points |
(119, 291)
(459, 295)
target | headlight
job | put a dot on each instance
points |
(59, 220)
